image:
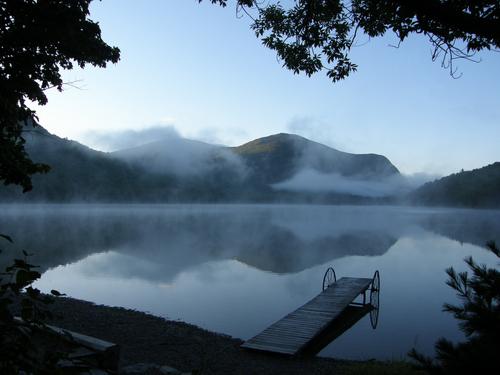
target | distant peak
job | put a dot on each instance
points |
(284, 136)
(276, 138)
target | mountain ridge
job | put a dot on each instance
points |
(261, 170)
(294, 152)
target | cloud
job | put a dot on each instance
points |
(303, 124)
(314, 129)
(310, 180)
(161, 149)
(129, 138)
(219, 136)
(418, 179)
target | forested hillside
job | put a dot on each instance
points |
(477, 188)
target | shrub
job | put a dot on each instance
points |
(479, 318)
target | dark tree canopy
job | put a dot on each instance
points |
(38, 38)
(313, 35)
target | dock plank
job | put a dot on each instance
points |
(291, 334)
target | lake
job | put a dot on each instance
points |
(235, 269)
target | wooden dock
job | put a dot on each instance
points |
(328, 315)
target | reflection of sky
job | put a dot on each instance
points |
(238, 268)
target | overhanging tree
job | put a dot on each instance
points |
(39, 38)
(314, 35)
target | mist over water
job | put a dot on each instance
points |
(238, 268)
(310, 180)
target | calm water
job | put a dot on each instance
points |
(237, 268)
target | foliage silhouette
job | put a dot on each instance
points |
(18, 353)
(37, 40)
(313, 35)
(479, 317)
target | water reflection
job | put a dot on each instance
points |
(175, 238)
(464, 226)
(236, 269)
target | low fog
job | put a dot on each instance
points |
(162, 149)
(157, 164)
(310, 180)
(321, 169)
(159, 242)
(110, 141)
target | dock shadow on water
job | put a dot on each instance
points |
(236, 269)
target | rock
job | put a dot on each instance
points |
(149, 368)
(96, 371)
(139, 368)
(167, 370)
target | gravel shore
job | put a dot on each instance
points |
(145, 338)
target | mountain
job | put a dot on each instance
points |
(477, 188)
(279, 157)
(173, 154)
(80, 173)
(183, 170)
(270, 169)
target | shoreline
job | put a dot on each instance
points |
(148, 339)
(145, 338)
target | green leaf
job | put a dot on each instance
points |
(8, 238)
(32, 292)
(25, 278)
(57, 293)
(27, 313)
(47, 299)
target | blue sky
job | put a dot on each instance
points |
(199, 68)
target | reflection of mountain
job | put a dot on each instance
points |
(60, 236)
(283, 252)
(157, 243)
(474, 227)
